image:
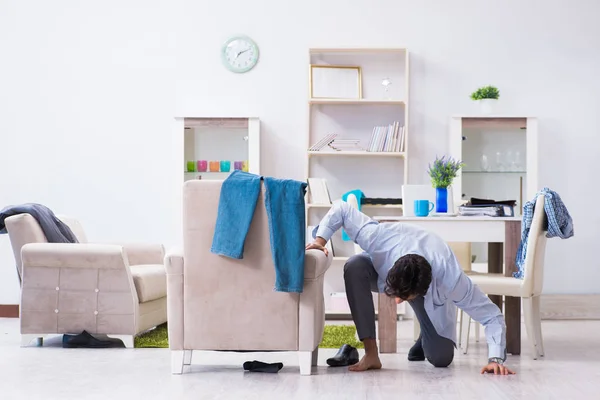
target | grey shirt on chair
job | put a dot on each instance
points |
(54, 229)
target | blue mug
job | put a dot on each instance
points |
(423, 207)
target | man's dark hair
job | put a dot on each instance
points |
(410, 275)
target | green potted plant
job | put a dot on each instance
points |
(487, 96)
(442, 173)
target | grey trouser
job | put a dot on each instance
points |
(360, 278)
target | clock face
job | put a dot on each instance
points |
(239, 54)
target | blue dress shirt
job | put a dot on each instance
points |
(385, 243)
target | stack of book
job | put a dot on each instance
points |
(346, 145)
(485, 207)
(481, 211)
(388, 138)
(326, 141)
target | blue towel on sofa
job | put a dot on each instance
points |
(284, 203)
(239, 195)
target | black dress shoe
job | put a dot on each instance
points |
(416, 352)
(86, 340)
(346, 355)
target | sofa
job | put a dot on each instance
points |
(106, 289)
(216, 303)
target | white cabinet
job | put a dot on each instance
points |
(501, 157)
(215, 147)
(371, 149)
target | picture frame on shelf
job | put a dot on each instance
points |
(335, 82)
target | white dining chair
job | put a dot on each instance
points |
(528, 289)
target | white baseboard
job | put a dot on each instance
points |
(570, 306)
(561, 307)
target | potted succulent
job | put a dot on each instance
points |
(442, 173)
(487, 97)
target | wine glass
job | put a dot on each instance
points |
(499, 163)
(510, 162)
(518, 165)
(485, 165)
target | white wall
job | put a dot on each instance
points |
(88, 92)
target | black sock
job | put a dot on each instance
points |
(416, 352)
(259, 366)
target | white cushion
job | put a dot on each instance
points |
(497, 284)
(150, 281)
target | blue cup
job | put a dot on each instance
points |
(423, 207)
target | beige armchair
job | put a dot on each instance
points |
(116, 290)
(219, 303)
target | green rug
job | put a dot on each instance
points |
(333, 337)
(155, 338)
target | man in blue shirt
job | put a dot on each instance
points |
(411, 264)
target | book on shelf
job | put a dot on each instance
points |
(346, 145)
(390, 138)
(387, 138)
(318, 192)
(323, 142)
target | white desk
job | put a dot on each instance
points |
(501, 233)
(460, 229)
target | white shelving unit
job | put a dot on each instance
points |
(501, 157)
(377, 174)
(330, 153)
(367, 206)
(356, 101)
(213, 140)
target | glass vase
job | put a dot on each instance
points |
(441, 200)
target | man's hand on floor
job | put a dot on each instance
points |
(318, 244)
(496, 369)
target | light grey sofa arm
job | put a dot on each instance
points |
(174, 266)
(73, 255)
(316, 263)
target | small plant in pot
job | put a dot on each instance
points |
(442, 173)
(487, 97)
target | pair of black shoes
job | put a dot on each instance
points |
(347, 355)
(86, 340)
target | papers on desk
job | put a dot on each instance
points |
(491, 210)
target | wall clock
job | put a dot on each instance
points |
(239, 54)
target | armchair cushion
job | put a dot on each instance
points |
(144, 253)
(150, 281)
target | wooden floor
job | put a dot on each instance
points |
(570, 370)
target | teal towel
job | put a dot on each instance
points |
(239, 195)
(284, 203)
(359, 196)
